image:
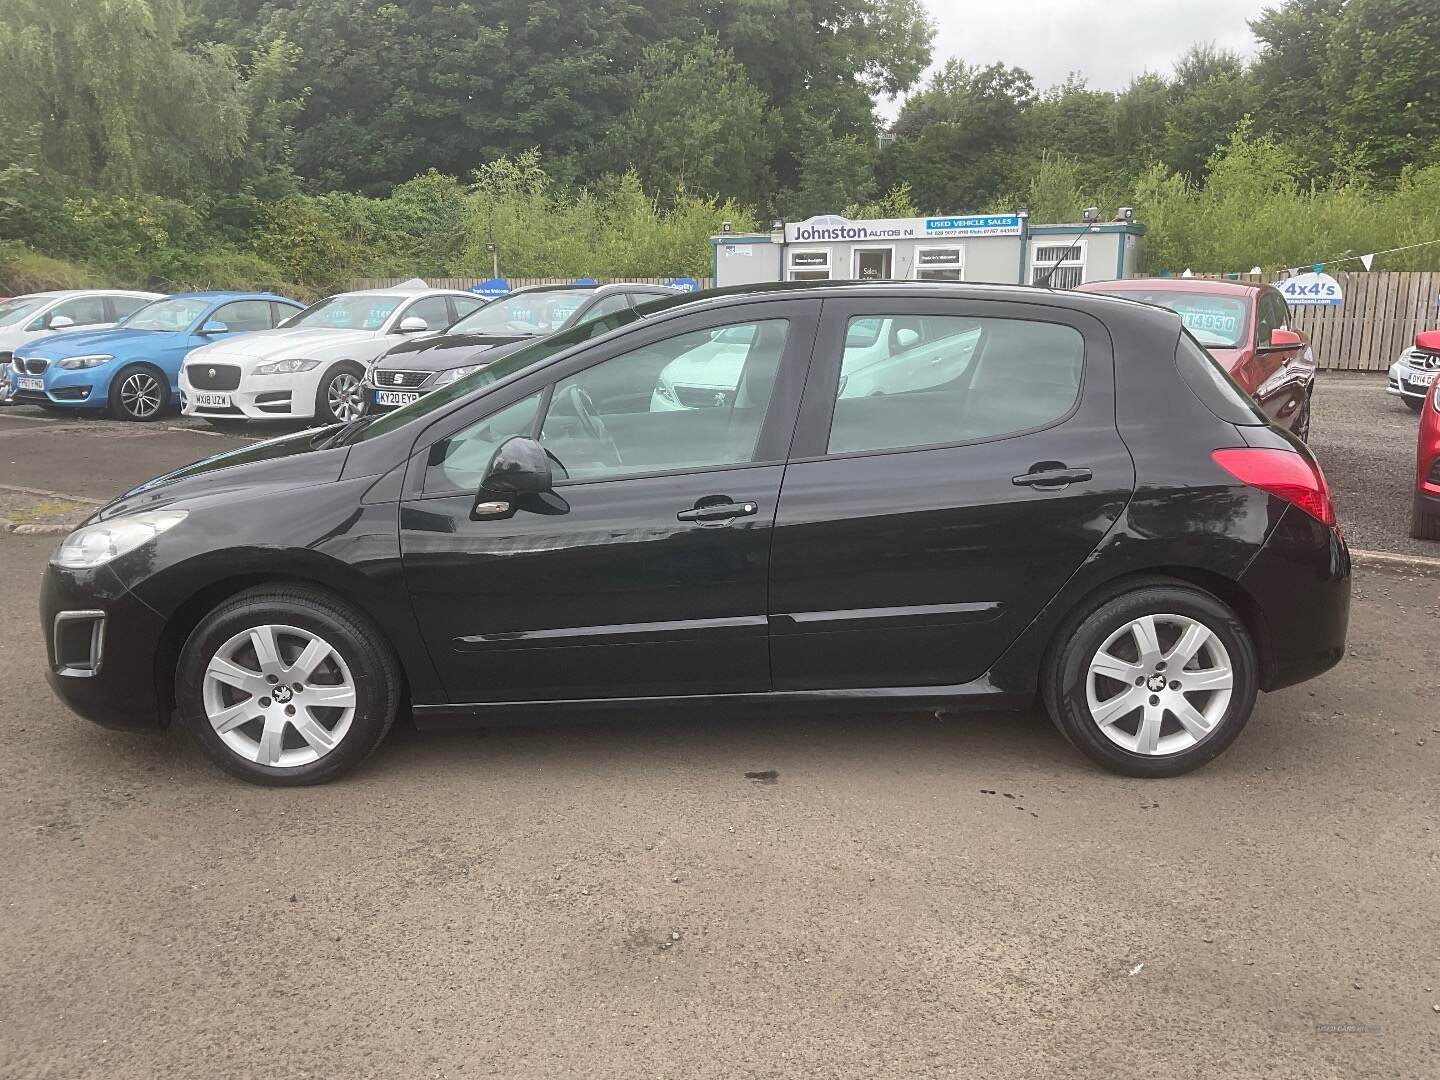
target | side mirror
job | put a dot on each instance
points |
(60, 322)
(214, 327)
(1285, 339)
(520, 466)
(907, 338)
(413, 324)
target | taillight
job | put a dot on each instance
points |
(1284, 474)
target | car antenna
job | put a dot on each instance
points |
(1090, 215)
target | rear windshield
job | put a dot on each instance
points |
(1213, 385)
(1216, 321)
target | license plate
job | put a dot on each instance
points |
(213, 401)
(1414, 380)
(394, 397)
(31, 384)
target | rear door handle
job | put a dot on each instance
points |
(1052, 477)
(717, 513)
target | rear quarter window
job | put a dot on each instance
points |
(1213, 385)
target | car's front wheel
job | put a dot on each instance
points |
(1153, 682)
(139, 392)
(285, 687)
(341, 396)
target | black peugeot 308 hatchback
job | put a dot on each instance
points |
(905, 494)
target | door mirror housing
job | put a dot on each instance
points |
(214, 326)
(1285, 339)
(519, 467)
(60, 322)
(413, 324)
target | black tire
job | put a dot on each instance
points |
(1301, 426)
(1414, 404)
(325, 410)
(134, 388)
(371, 663)
(1424, 522)
(1064, 679)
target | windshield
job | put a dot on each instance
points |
(1216, 321)
(519, 360)
(171, 316)
(348, 311)
(12, 311)
(524, 313)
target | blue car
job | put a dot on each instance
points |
(133, 370)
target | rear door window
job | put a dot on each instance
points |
(910, 381)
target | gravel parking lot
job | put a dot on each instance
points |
(712, 896)
(1365, 440)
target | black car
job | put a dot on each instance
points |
(414, 368)
(1084, 509)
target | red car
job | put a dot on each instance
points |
(1246, 327)
(1425, 518)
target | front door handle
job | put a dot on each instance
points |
(1049, 475)
(718, 513)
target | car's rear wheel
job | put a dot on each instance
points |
(139, 392)
(341, 396)
(1153, 682)
(285, 687)
(1424, 522)
(1301, 426)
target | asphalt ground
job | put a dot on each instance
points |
(728, 896)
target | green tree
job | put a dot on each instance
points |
(1289, 73)
(101, 92)
(1211, 93)
(959, 139)
(1381, 78)
(697, 124)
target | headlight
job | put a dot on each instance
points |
(455, 374)
(287, 367)
(78, 363)
(95, 545)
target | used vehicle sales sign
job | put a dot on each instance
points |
(1311, 290)
(834, 227)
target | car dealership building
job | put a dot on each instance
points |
(1001, 248)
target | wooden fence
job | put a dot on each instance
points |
(1380, 317)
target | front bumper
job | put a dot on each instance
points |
(86, 388)
(101, 644)
(1400, 381)
(257, 397)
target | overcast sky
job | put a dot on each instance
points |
(1106, 41)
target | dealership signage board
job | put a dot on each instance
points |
(1311, 290)
(492, 288)
(833, 228)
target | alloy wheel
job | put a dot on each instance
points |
(346, 397)
(1159, 685)
(279, 696)
(141, 395)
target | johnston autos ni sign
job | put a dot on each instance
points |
(834, 227)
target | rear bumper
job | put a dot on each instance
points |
(1300, 582)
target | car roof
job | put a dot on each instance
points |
(1094, 302)
(60, 294)
(401, 290)
(1210, 286)
(219, 295)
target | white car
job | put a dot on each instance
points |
(1418, 367)
(26, 318)
(313, 364)
(898, 355)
